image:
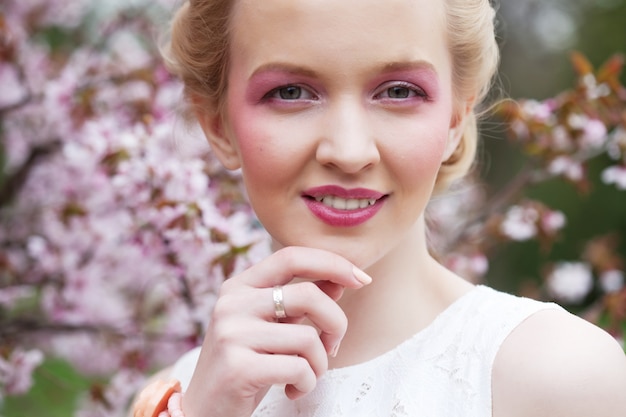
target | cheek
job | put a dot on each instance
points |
(251, 136)
(417, 172)
(266, 143)
(419, 145)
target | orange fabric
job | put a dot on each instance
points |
(153, 398)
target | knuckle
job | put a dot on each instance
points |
(305, 376)
(227, 286)
(223, 307)
(286, 256)
(308, 290)
(339, 263)
(342, 325)
(342, 319)
(302, 369)
(224, 334)
(309, 336)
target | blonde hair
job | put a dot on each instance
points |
(475, 58)
(198, 52)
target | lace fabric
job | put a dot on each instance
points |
(444, 370)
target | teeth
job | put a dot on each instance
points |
(346, 203)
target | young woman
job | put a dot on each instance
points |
(345, 116)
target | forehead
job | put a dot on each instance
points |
(349, 34)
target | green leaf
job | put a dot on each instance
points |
(57, 387)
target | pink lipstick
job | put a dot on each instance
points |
(340, 207)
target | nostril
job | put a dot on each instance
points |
(350, 160)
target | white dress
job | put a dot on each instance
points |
(442, 371)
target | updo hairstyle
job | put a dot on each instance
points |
(475, 58)
(197, 51)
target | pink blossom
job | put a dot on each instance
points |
(520, 223)
(127, 52)
(520, 129)
(616, 143)
(552, 221)
(577, 121)
(570, 282)
(612, 280)
(595, 90)
(615, 174)
(472, 267)
(12, 89)
(16, 371)
(538, 111)
(561, 140)
(566, 166)
(594, 134)
(593, 131)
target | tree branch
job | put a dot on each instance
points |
(13, 182)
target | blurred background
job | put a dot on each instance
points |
(537, 38)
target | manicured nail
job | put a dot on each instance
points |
(361, 276)
(333, 353)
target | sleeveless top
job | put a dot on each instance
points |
(442, 371)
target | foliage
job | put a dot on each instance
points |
(118, 225)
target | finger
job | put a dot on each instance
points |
(242, 318)
(233, 296)
(240, 300)
(312, 264)
(290, 339)
(290, 370)
(305, 299)
(334, 291)
(293, 393)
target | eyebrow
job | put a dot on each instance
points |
(407, 65)
(306, 72)
(284, 67)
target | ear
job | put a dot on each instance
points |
(454, 138)
(457, 129)
(217, 133)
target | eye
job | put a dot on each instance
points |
(400, 91)
(290, 92)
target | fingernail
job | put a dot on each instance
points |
(361, 276)
(333, 353)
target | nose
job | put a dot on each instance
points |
(347, 142)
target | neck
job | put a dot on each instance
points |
(408, 291)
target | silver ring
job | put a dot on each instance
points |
(279, 305)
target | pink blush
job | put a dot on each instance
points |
(251, 128)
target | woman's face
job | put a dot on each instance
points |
(338, 113)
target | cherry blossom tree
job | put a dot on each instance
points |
(117, 225)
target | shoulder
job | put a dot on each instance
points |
(556, 364)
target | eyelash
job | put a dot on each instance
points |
(271, 95)
(414, 92)
(417, 91)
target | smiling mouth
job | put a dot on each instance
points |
(339, 207)
(340, 203)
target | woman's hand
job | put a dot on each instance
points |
(246, 349)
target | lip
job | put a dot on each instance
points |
(338, 217)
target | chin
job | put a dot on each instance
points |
(362, 257)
